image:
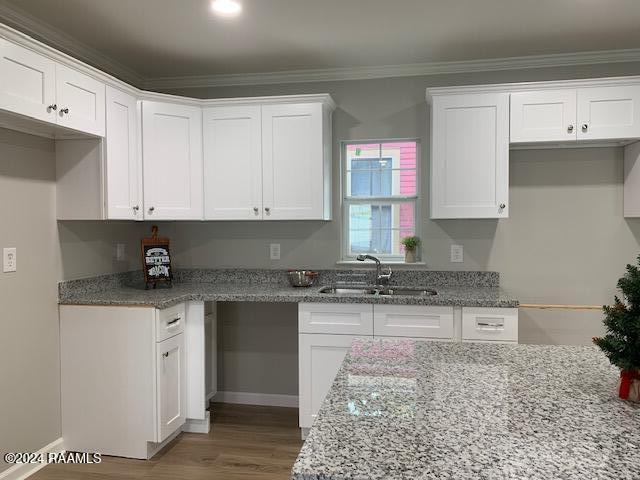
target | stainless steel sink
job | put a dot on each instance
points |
(377, 290)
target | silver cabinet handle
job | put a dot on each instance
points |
(136, 208)
(173, 322)
(165, 354)
(64, 111)
(255, 210)
(570, 129)
(53, 107)
(267, 209)
(487, 324)
(585, 127)
(502, 206)
(151, 209)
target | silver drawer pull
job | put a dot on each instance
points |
(173, 323)
(493, 325)
(165, 354)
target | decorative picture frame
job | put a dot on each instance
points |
(156, 260)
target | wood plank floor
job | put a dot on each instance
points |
(245, 442)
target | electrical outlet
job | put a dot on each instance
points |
(457, 254)
(9, 260)
(274, 251)
(120, 252)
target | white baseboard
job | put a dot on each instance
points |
(209, 397)
(265, 399)
(198, 426)
(22, 471)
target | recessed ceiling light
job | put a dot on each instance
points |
(227, 8)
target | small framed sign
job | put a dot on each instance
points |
(156, 259)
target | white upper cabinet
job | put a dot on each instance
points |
(295, 162)
(123, 165)
(609, 113)
(470, 156)
(27, 82)
(81, 101)
(232, 163)
(35, 86)
(267, 161)
(543, 116)
(172, 160)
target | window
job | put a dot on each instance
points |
(380, 197)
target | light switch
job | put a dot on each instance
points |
(274, 250)
(9, 260)
(457, 254)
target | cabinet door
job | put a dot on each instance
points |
(172, 386)
(413, 321)
(544, 116)
(470, 156)
(172, 160)
(27, 82)
(320, 357)
(292, 155)
(123, 163)
(81, 101)
(609, 113)
(232, 163)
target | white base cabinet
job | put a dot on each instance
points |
(123, 377)
(320, 357)
(326, 331)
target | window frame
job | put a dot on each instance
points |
(345, 201)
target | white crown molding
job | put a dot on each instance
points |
(30, 25)
(387, 71)
(24, 22)
(543, 85)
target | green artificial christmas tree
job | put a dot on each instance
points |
(622, 341)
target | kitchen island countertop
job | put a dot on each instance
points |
(402, 409)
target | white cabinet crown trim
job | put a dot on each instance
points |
(537, 86)
(19, 38)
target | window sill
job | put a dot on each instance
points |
(367, 263)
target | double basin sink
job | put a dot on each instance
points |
(377, 290)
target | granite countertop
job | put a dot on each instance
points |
(235, 292)
(428, 410)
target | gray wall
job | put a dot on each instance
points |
(565, 241)
(47, 252)
(29, 352)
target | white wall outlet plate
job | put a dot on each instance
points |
(120, 252)
(9, 260)
(457, 254)
(274, 251)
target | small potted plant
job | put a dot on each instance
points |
(622, 341)
(410, 247)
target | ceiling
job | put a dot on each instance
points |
(169, 38)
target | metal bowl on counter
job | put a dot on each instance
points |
(301, 278)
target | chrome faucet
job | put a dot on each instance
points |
(381, 278)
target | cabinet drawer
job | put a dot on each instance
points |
(490, 324)
(413, 321)
(336, 318)
(170, 322)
